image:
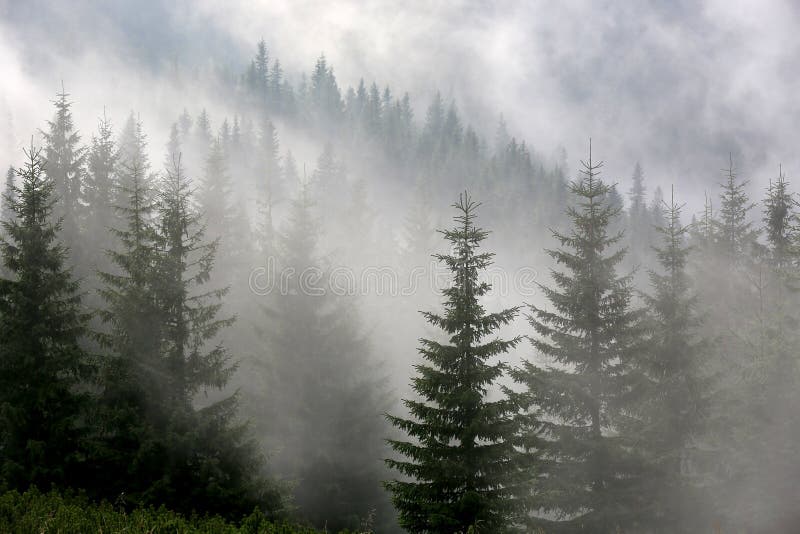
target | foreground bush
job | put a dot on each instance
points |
(36, 512)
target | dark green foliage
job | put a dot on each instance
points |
(211, 462)
(156, 446)
(465, 465)
(42, 366)
(33, 512)
(132, 367)
(64, 167)
(591, 336)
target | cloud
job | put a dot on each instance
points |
(677, 85)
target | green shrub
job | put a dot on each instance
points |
(34, 512)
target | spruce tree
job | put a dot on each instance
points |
(778, 222)
(261, 64)
(591, 336)
(64, 167)
(9, 194)
(668, 396)
(736, 234)
(465, 466)
(215, 191)
(323, 394)
(99, 190)
(269, 186)
(639, 216)
(42, 366)
(131, 159)
(210, 461)
(173, 145)
(224, 217)
(129, 415)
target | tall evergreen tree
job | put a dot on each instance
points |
(466, 468)
(667, 399)
(9, 194)
(592, 335)
(261, 65)
(209, 461)
(215, 191)
(325, 96)
(778, 222)
(65, 160)
(100, 189)
(638, 214)
(129, 414)
(173, 145)
(270, 186)
(224, 217)
(323, 391)
(132, 159)
(42, 364)
(735, 233)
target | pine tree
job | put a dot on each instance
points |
(215, 192)
(42, 364)
(10, 194)
(132, 159)
(325, 96)
(778, 220)
(501, 137)
(202, 133)
(703, 232)
(210, 462)
(322, 392)
(668, 396)
(639, 215)
(637, 193)
(173, 145)
(261, 64)
(466, 468)
(100, 189)
(736, 234)
(64, 159)
(224, 216)
(276, 86)
(592, 336)
(270, 187)
(129, 413)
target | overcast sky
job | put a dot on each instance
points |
(676, 84)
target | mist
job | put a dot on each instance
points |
(255, 203)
